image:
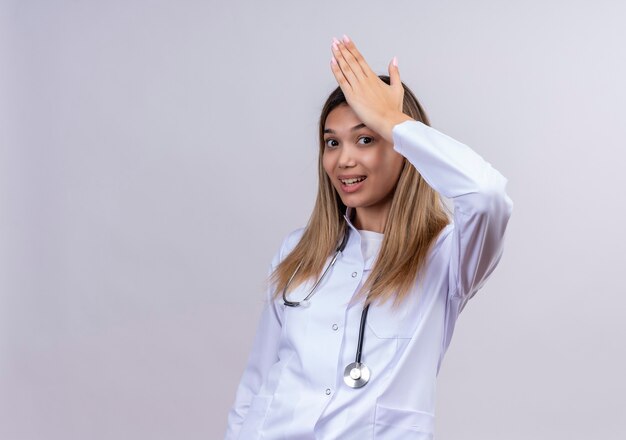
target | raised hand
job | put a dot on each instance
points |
(376, 103)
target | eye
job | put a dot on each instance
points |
(370, 139)
(326, 142)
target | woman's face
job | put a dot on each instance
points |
(351, 151)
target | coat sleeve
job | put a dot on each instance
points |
(263, 355)
(481, 206)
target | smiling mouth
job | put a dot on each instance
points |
(353, 181)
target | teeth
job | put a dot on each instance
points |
(352, 181)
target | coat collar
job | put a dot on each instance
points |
(355, 240)
(347, 216)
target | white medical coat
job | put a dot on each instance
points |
(292, 386)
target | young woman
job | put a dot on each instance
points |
(363, 301)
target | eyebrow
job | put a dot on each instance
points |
(356, 127)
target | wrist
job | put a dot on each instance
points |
(391, 121)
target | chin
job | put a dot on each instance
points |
(352, 203)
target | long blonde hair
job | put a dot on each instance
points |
(416, 218)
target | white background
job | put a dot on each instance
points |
(153, 155)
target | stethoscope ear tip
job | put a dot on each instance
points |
(305, 304)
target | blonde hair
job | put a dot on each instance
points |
(416, 218)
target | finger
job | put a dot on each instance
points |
(343, 64)
(354, 64)
(339, 76)
(395, 83)
(360, 59)
(394, 73)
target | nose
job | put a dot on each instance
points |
(346, 157)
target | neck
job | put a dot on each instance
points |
(372, 218)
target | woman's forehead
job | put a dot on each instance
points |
(341, 113)
(342, 118)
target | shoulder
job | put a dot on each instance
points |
(289, 242)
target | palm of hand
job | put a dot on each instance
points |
(373, 100)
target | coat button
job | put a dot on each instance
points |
(354, 274)
(335, 327)
(328, 391)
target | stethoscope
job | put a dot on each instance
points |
(356, 374)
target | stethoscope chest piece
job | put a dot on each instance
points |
(356, 375)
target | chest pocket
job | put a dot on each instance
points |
(386, 322)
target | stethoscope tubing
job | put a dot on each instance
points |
(304, 302)
(356, 374)
(359, 346)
